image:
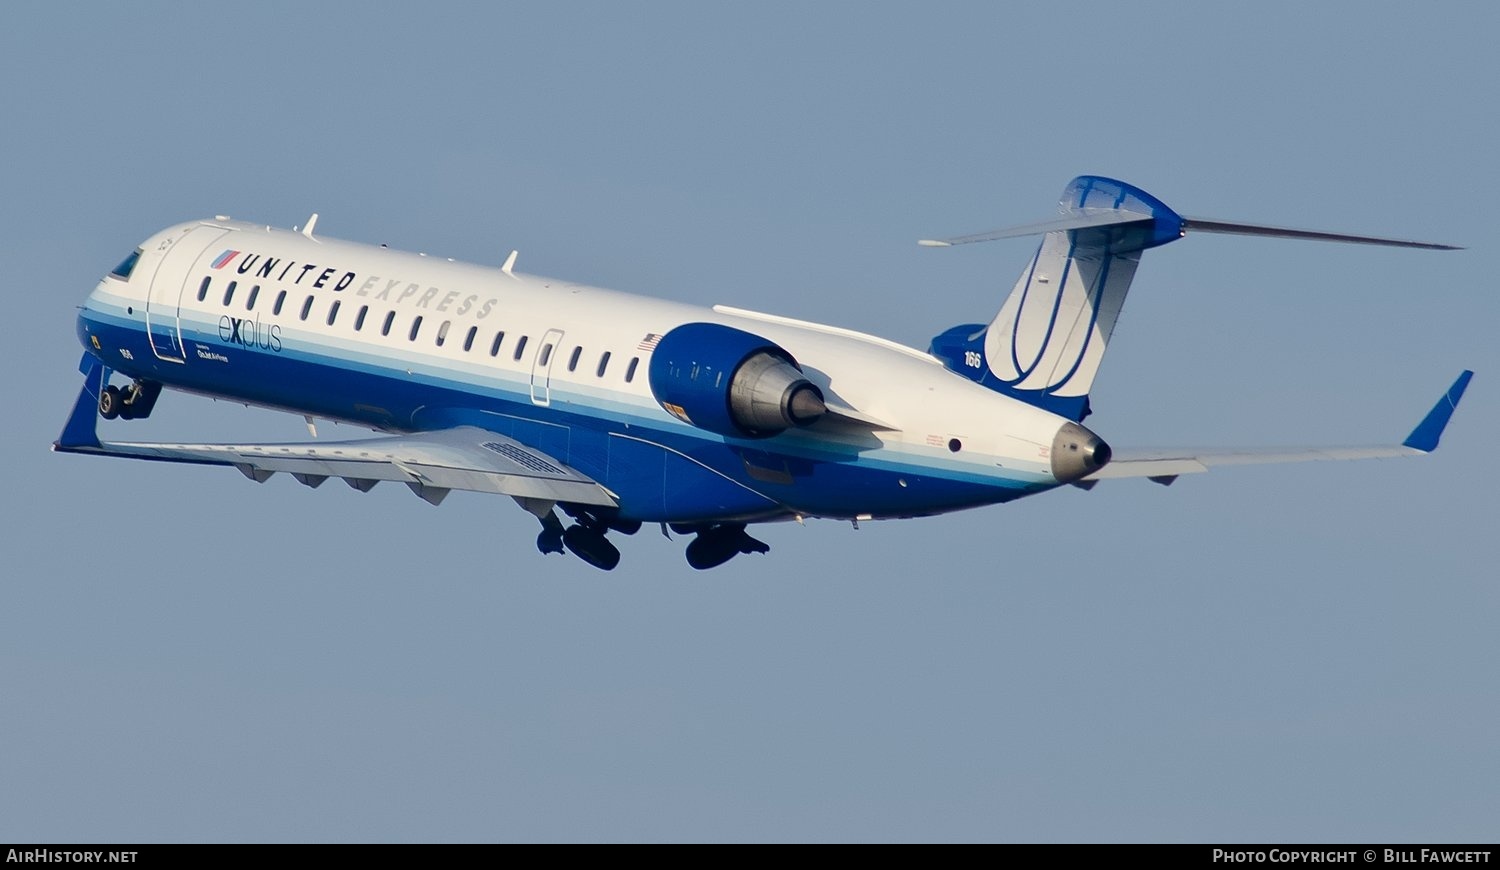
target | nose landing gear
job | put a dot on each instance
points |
(133, 402)
(109, 402)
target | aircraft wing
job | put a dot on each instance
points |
(1165, 465)
(431, 463)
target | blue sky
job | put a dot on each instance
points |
(1292, 653)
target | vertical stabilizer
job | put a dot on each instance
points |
(1046, 344)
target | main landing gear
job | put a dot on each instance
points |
(715, 544)
(551, 538)
(133, 402)
(586, 537)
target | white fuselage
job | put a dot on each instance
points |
(238, 310)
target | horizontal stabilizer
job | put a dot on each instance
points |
(1109, 217)
(1165, 463)
(1204, 225)
(1080, 221)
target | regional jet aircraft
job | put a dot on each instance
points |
(615, 410)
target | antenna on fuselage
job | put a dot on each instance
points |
(311, 222)
(510, 263)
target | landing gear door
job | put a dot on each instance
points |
(189, 255)
(547, 351)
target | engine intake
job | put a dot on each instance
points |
(731, 382)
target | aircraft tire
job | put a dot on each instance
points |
(591, 547)
(109, 403)
(549, 541)
(710, 550)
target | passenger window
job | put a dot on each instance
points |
(416, 326)
(520, 347)
(229, 292)
(603, 364)
(127, 266)
(469, 339)
(203, 289)
(546, 353)
(573, 360)
(333, 312)
(499, 338)
(250, 302)
(359, 319)
(442, 335)
(307, 308)
(385, 328)
(280, 298)
(630, 369)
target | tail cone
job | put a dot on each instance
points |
(1077, 453)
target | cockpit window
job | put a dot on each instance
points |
(127, 266)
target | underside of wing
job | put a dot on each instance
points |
(431, 463)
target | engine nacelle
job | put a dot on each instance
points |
(731, 382)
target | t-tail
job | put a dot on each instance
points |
(1045, 345)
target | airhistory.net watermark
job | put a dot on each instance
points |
(63, 856)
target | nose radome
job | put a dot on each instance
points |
(1077, 453)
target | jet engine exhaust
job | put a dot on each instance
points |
(768, 394)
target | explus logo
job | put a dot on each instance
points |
(250, 333)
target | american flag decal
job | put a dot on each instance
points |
(649, 342)
(224, 259)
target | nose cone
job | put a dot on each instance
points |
(1077, 453)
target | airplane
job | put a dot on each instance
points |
(618, 410)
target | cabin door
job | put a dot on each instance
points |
(188, 256)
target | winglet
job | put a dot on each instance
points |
(1425, 436)
(81, 430)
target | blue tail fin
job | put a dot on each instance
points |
(1046, 344)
